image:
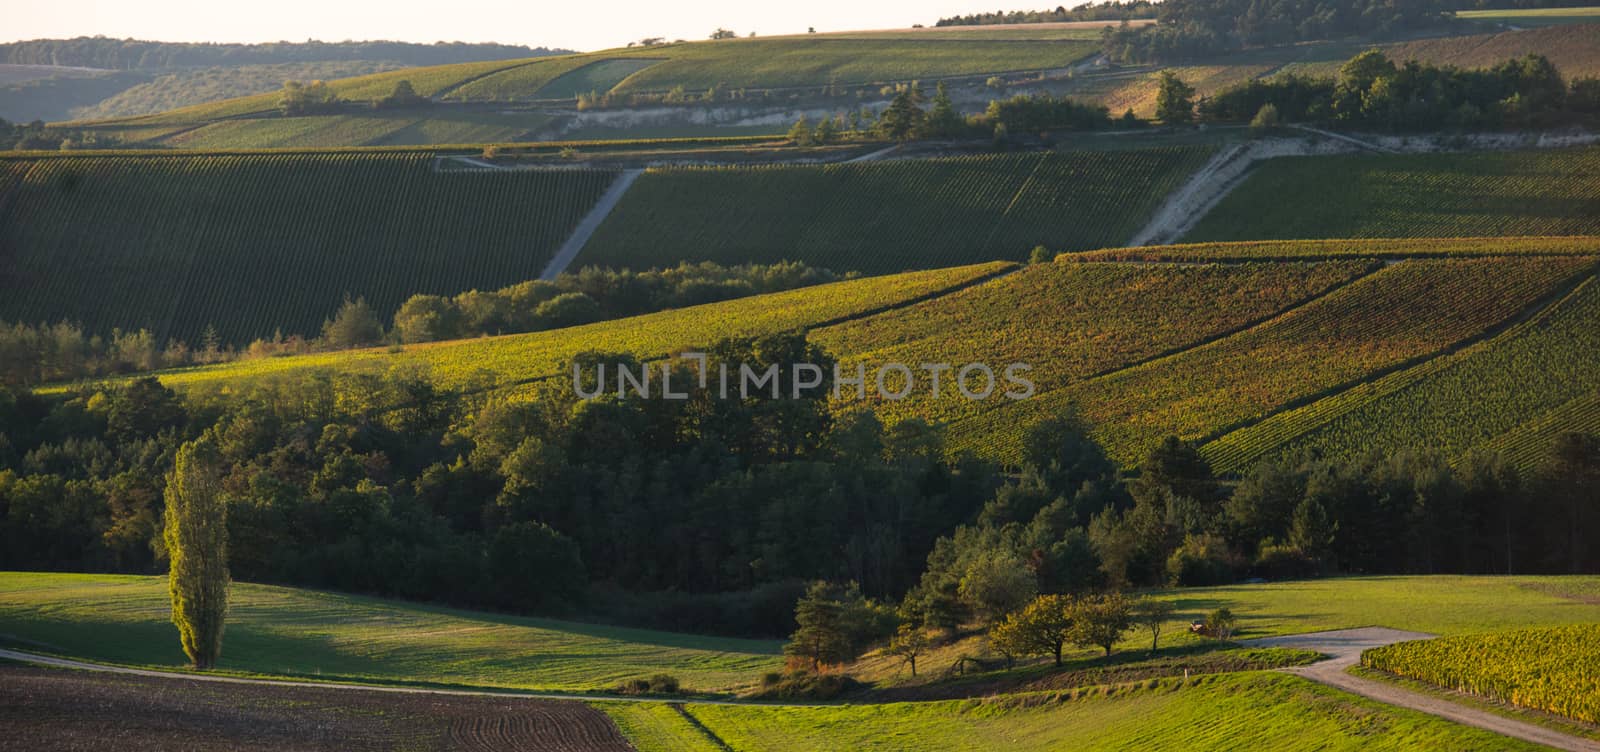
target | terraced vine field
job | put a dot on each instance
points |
(253, 243)
(1071, 321)
(1549, 192)
(1514, 386)
(526, 357)
(1410, 311)
(890, 216)
(1554, 669)
(377, 129)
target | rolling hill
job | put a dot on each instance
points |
(1251, 349)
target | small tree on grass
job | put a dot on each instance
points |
(1175, 100)
(1101, 621)
(1266, 119)
(834, 623)
(1221, 624)
(196, 536)
(354, 325)
(909, 641)
(800, 133)
(1043, 627)
(1040, 255)
(1153, 614)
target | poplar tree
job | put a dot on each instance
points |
(196, 535)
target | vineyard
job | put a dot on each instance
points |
(1550, 192)
(890, 216)
(1312, 250)
(1072, 321)
(1554, 669)
(376, 129)
(250, 244)
(526, 357)
(1411, 311)
(1505, 386)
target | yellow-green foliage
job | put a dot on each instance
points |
(1556, 669)
(527, 357)
(1414, 309)
(1073, 321)
(1520, 389)
(196, 536)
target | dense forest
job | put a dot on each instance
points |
(711, 514)
(142, 55)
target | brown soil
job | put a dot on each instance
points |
(56, 709)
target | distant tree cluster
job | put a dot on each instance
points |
(1371, 91)
(313, 98)
(1187, 29)
(134, 54)
(1111, 10)
(64, 351)
(593, 294)
(35, 136)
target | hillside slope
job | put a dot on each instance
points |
(892, 215)
(250, 244)
(1232, 352)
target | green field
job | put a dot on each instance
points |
(1238, 711)
(285, 631)
(254, 243)
(1554, 669)
(1550, 192)
(309, 634)
(892, 215)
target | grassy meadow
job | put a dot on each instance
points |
(314, 635)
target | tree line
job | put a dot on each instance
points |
(33, 354)
(1110, 10)
(713, 514)
(1372, 91)
(1188, 29)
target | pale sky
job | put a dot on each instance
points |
(574, 24)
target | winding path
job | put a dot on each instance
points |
(1344, 648)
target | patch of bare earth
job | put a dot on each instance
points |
(53, 709)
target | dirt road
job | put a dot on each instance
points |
(1345, 646)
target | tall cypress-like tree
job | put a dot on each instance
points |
(196, 535)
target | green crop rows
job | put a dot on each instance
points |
(1554, 669)
(1410, 311)
(1550, 192)
(891, 215)
(252, 243)
(1072, 321)
(1453, 404)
